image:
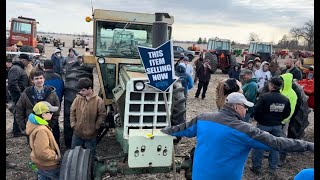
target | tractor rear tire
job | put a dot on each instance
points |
(213, 58)
(178, 109)
(299, 120)
(76, 165)
(72, 76)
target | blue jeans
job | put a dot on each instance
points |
(257, 154)
(85, 143)
(247, 117)
(48, 174)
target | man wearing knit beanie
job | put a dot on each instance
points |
(53, 79)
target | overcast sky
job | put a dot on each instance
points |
(231, 19)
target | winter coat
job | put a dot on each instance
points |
(186, 79)
(250, 90)
(17, 80)
(235, 74)
(262, 76)
(45, 153)
(69, 60)
(295, 72)
(86, 116)
(204, 74)
(223, 137)
(271, 109)
(53, 79)
(57, 64)
(287, 91)
(25, 105)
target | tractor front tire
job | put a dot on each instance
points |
(178, 109)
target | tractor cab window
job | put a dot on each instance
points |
(115, 39)
(220, 45)
(263, 48)
(210, 45)
(21, 27)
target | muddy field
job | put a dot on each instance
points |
(19, 151)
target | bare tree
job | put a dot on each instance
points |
(254, 37)
(306, 32)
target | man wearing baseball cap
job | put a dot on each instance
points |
(45, 152)
(222, 136)
(269, 111)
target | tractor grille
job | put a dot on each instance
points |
(146, 110)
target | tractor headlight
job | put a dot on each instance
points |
(101, 60)
(139, 85)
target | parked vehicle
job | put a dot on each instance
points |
(177, 50)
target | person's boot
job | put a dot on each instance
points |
(10, 165)
(282, 160)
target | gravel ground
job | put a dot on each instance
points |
(19, 151)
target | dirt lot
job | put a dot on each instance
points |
(19, 151)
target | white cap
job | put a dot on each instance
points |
(238, 98)
(57, 50)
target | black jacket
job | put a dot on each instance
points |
(204, 76)
(295, 72)
(17, 80)
(271, 108)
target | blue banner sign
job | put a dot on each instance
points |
(158, 63)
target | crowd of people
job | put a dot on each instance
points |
(250, 93)
(34, 96)
(256, 92)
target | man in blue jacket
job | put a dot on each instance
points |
(224, 140)
(53, 79)
(186, 79)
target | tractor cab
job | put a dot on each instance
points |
(23, 31)
(261, 50)
(219, 46)
(219, 54)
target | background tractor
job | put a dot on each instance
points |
(58, 43)
(80, 42)
(219, 54)
(23, 32)
(259, 49)
(135, 110)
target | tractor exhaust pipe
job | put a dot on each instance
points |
(159, 30)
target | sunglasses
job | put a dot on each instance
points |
(244, 106)
(49, 112)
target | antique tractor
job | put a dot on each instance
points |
(136, 111)
(58, 43)
(261, 50)
(219, 53)
(80, 42)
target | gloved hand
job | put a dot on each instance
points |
(310, 146)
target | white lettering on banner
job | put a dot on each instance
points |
(159, 61)
(158, 69)
(155, 54)
(162, 76)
